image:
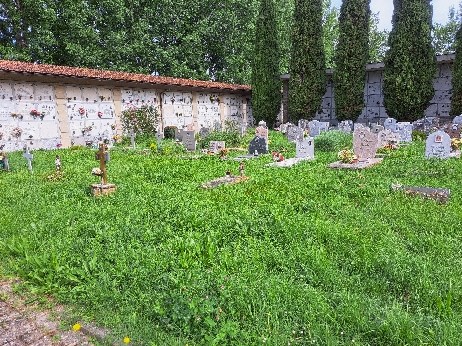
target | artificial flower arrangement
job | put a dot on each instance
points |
(347, 156)
(35, 114)
(456, 143)
(16, 132)
(100, 115)
(81, 111)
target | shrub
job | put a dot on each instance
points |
(332, 141)
(169, 132)
(143, 120)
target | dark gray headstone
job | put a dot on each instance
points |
(257, 146)
(189, 141)
(204, 132)
(438, 145)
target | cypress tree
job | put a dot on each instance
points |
(266, 83)
(410, 63)
(456, 98)
(351, 57)
(307, 83)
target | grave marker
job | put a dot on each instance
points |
(404, 130)
(29, 157)
(457, 119)
(216, 146)
(189, 141)
(132, 139)
(294, 133)
(316, 127)
(103, 188)
(390, 124)
(438, 145)
(346, 126)
(258, 146)
(387, 137)
(305, 148)
(364, 143)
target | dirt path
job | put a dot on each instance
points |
(24, 324)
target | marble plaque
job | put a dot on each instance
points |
(364, 143)
(438, 145)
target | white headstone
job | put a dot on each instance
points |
(438, 145)
(305, 148)
(404, 130)
(390, 124)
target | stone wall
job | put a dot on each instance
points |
(374, 110)
(79, 114)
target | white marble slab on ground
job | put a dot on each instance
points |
(289, 162)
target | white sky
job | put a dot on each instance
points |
(385, 9)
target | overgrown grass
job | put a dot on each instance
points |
(306, 255)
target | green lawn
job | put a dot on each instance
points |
(305, 255)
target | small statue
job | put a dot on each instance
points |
(58, 163)
(241, 168)
(4, 161)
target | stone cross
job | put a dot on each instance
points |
(102, 156)
(132, 139)
(29, 157)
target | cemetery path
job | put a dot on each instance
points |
(26, 324)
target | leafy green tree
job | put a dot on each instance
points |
(266, 83)
(378, 44)
(330, 32)
(410, 63)
(444, 35)
(351, 58)
(456, 98)
(308, 63)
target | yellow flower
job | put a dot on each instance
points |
(76, 327)
(126, 340)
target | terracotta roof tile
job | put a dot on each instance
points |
(25, 67)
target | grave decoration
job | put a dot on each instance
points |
(454, 131)
(437, 194)
(438, 145)
(364, 151)
(4, 164)
(216, 146)
(387, 140)
(29, 157)
(103, 188)
(228, 179)
(277, 156)
(58, 163)
(376, 128)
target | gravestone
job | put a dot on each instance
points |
(189, 141)
(294, 133)
(404, 130)
(387, 137)
(316, 127)
(346, 126)
(243, 130)
(457, 119)
(305, 148)
(132, 139)
(438, 145)
(258, 146)
(204, 132)
(376, 128)
(438, 194)
(304, 124)
(29, 157)
(364, 143)
(178, 134)
(390, 124)
(262, 132)
(216, 146)
(454, 130)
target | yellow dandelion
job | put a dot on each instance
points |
(126, 340)
(76, 327)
